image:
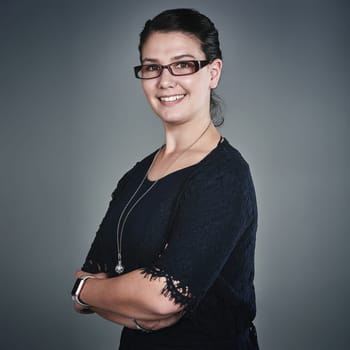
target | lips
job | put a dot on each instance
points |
(172, 98)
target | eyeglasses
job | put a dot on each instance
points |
(151, 71)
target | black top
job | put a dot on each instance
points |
(197, 228)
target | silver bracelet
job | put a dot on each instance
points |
(78, 287)
(140, 328)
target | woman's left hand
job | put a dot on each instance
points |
(80, 274)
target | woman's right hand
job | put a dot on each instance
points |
(162, 323)
(130, 323)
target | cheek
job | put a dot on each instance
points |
(187, 83)
(195, 84)
(147, 88)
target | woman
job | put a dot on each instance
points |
(173, 259)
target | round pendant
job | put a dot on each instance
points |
(119, 268)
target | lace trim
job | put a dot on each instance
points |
(175, 290)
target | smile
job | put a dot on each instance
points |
(171, 98)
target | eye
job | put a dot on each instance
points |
(150, 67)
(184, 65)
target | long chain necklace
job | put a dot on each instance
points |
(119, 269)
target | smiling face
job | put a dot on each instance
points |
(178, 99)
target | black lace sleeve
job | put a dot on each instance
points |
(213, 212)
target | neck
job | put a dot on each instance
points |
(179, 137)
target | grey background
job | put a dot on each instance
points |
(73, 120)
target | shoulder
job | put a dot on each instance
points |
(221, 181)
(225, 163)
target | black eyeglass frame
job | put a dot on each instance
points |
(199, 64)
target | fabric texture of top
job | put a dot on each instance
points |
(197, 228)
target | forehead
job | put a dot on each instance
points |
(164, 46)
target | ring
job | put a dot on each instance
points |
(140, 328)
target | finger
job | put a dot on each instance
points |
(81, 274)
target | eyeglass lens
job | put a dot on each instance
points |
(148, 71)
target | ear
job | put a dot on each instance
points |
(215, 73)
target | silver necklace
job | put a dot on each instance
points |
(119, 268)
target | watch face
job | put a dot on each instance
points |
(76, 285)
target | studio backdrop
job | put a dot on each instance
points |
(74, 120)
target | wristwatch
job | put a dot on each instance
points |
(77, 288)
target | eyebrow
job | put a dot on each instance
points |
(175, 58)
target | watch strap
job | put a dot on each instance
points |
(77, 288)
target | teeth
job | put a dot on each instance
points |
(172, 98)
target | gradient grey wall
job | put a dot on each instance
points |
(73, 120)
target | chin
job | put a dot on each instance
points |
(172, 119)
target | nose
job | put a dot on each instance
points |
(166, 79)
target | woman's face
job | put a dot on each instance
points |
(178, 99)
